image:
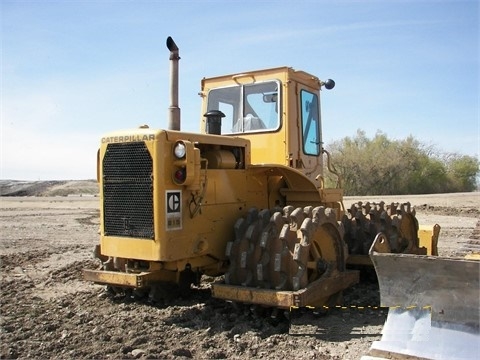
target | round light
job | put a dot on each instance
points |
(179, 150)
(180, 175)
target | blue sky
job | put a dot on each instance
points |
(72, 71)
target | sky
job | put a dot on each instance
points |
(72, 71)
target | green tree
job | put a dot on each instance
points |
(462, 171)
(382, 166)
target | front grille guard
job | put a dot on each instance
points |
(128, 191)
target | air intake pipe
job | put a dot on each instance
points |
(173, 110)
(214, 122)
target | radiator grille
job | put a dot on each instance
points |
(128, 190)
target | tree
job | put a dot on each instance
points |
(381, 166)
(462, 172)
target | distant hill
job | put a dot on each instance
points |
(48, 188)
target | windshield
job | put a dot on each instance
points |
(247, 108)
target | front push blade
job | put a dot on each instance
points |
(434, 306)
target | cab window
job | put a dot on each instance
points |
(248, 108)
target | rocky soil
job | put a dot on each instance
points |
(48, 311)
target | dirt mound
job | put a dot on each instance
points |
(48, 188)
(445, 210)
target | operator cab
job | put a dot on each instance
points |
(277, 110)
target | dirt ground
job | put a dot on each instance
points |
(48, 311)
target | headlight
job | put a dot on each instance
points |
(179, 150)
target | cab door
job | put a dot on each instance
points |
(309, 153)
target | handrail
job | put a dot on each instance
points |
(332, 169)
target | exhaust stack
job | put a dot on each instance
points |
(173, 110)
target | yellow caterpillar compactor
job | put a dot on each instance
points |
(246, 198)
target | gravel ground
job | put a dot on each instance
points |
(47, 311)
